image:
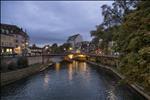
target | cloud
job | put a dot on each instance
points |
(53, 21)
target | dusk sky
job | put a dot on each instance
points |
(49, 22)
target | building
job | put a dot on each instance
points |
(13, 39)
(34, 50)
(75, 40)
(7, 43)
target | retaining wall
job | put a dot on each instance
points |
(36, 64)
(9, 77)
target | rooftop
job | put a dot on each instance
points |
(71, 38)
(12, 29)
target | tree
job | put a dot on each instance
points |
(104, 34)
(66, 46)
(128, 23)
(114, 15)
(133, 39)
(54, 48)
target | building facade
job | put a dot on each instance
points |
(7, 43)
(75, 40)
(34, 50)
(13, 40)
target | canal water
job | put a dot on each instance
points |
(70, 81)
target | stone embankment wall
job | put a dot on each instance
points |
(37, 59)
(35, 65)
(31, 59)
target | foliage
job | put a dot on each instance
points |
(3, 66)
(128, 22)
(66, 46)
(114, 15)
(133, 39)
(54, 48)
(12, 66)
(22, 62)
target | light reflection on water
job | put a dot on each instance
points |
(46, 80)
(57, 66)
(70, 71)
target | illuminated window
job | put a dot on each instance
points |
(7, 50)
(10, 50)
(2, 50)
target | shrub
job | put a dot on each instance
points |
(12, 66)
(22, 62)
(3, 66)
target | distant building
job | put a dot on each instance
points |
(34, 50)
(75, 40)
(13, 39)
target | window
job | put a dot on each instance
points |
(7, 50)
(10, 50)
(2, 30)
(2, 50)
(7, 32)
(11, 31)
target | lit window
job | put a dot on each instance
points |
(7, 50)
(2, 50)
(10, 50)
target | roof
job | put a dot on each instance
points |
(71, 38)
(34, 47)
(12, 29)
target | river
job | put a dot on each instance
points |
(70, 81)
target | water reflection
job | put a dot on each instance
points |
(70, 71)
(57, 66)
(111, 93)
(77, 67)
(46, 80)
(82, 66)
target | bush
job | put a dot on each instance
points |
(12, 66)
(22, 62)
(97, 59)
(3, 66)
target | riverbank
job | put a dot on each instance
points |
(134, 86)
(12, 76)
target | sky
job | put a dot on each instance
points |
(48, 22)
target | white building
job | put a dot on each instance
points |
(74, 40)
